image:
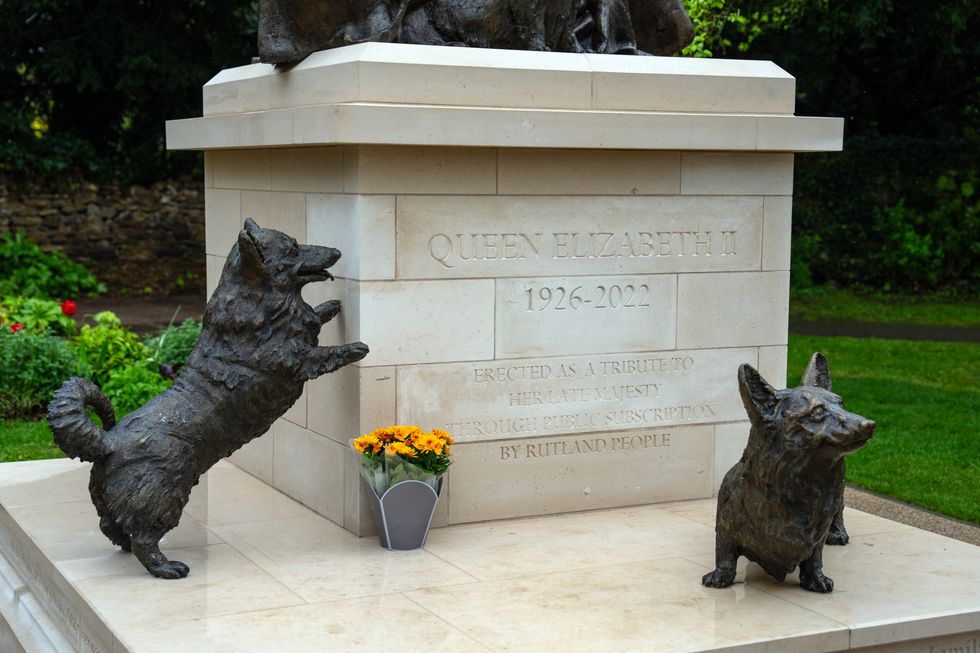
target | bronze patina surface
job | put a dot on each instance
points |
(289, 30)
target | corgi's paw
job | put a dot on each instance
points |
(719, 578)
(328, 310)
(837, 536)
(817, 583)
(355, 351)
(170, 569)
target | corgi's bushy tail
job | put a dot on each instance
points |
(76, 434)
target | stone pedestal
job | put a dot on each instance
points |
(562, 259)
(269, 575)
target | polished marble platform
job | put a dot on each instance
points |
(268, 574)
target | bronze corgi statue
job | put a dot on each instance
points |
(258, 346)
(784, 499)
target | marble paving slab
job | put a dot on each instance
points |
(268, 574)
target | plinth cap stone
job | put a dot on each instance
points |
(398, 94)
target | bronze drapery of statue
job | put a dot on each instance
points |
(289, 30)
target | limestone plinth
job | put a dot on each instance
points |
(562, 259)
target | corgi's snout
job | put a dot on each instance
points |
(867, 425)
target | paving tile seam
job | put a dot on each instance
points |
(249, 552)
(474, 577)
(568, 570)
(686, 515)
(268, 565)
(213, 522)
(248, 555)
(43, 504)
(406, 595)
(577, 514)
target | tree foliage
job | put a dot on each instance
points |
(897, 209)
(86, 85)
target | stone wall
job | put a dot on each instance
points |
(133, 238)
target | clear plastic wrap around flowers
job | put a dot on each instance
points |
(394, 454)
(389, 470)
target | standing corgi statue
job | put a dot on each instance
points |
(258, 347)
(784, 499)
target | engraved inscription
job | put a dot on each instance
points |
(453, 249)
(582, 315)
(971, 645)
(592, 421)
(599, 296)
(609, 393)
(448, 236)
(585, 446)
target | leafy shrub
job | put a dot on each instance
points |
(34, 366)
(29, 271)
(940, 245)
(908, 255)
(106, 347)
(885, 215)
(132, 386)
(174, 344)
(36, 314)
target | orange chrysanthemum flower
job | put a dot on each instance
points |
(429, 442)
(442, 435)
(384, 435)
(405, 433)
(368, 442)
(396, 448)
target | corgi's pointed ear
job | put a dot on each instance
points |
(817, 373)
(248, 247)
(758, 396)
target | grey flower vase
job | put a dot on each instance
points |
(404, 512)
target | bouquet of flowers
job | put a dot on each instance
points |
(393, 454)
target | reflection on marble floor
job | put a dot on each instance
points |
(268, 574)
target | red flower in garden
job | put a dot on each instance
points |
(14, 328)
(68, 308)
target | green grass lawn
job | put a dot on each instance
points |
(925, 397)
(26, 440)
(821, 304)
